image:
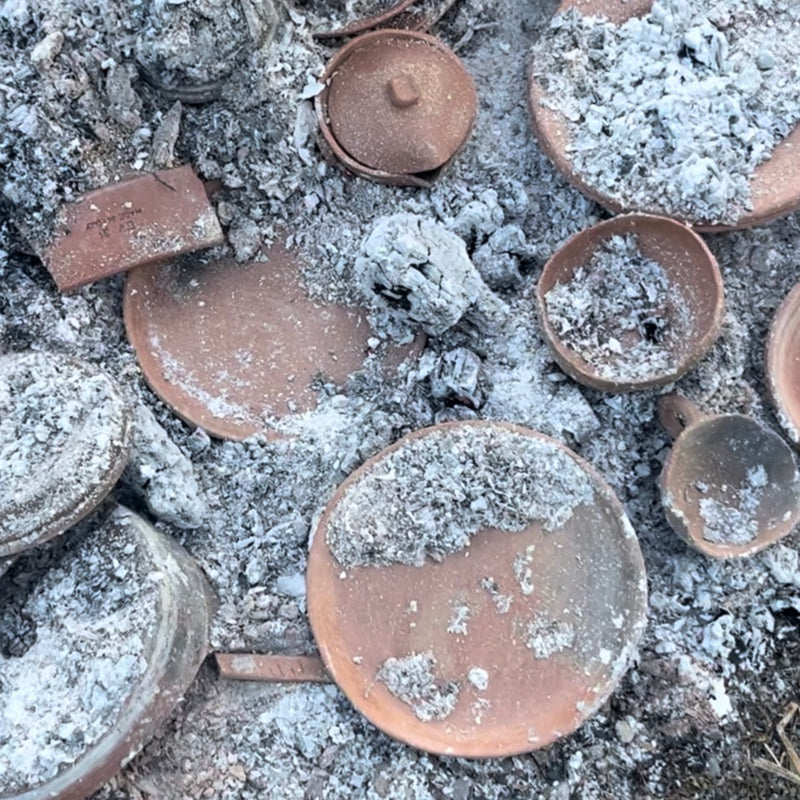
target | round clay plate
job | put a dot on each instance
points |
(774, 187)
(523, 634)
(783, 364)
(65, 437)
(231, 347)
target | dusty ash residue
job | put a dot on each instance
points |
(72, 640)
(412, 680)
(674, 111)
(620, 294)
(735, 522)
(428, 497)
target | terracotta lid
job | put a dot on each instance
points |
(774, 186)
(730, 487)
(689, 320)
(398, 105)
(783, 364)
(231, 346)
(138, 221)
(167, 621)
(514, 638)
(65, 437)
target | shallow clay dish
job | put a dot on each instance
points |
(694, 312)
(729, 486)
(783, 364)
(583, 581)
(396, 107)
(65, 438)
(173, 653)
(774, 187)
(233, 346)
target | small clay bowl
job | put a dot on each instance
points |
(397, 106)
(774, 186)
(65, 438)
(693, 312)
(550, 618)
(729, 486)
(173, 652)
(783, 364)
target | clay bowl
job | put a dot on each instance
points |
(774, 186)
(729, 486)
(397, 106)
(550, 619)
(173, 653)
(67, 427)
(693, 313)
(783, 364)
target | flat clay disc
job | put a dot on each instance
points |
(400, 102)
(65, 437)
(231, 346)
(513, 637)
(774, 185)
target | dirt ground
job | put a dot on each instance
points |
(720, 659)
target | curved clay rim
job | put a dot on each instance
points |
(422, 179)
(230, 346)
(120, 438)
(783, 364)
(775, 185)
(688, 263)
(591, 569)
(717, 450)
(175, 653)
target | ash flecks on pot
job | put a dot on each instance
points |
(74, 628)
(735, 520)
(620, 313)
(546, 637)
(412, 679)
(459, 619)
(429, 496)
(675, 110)
(522, 569)
(502, 602)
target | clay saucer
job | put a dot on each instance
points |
(774, 186)
(729, 486)
(397, 106)
(65, 438)
(173, 650)
(783, 364)
(231, 346)
(693, 313)
(532, 629)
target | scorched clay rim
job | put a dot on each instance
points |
(231, 347)
(783, 364)
(774, 187)
(590, 570)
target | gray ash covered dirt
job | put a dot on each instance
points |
(719, 660)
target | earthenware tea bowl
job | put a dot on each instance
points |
(550, 613)
(729, 486)
(783, 364)
(774, 186)
(691, 314)
(396, 108)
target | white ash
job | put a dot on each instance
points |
(735, 521)
(547, 637)
(73, 634)
(674, 111)
(427, 498)
(412, 679)
(522, 570)
(501, 601)
(459, 619)
(479, 678)
(620, 295)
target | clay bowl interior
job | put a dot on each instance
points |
(775, 185)
(710, 460)
(174, 653)
(689, 266)
(783, 364)
(588, 573)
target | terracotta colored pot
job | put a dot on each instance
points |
(783, 364)
(689, 266)
(729, 486)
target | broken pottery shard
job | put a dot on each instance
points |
(128, 224)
